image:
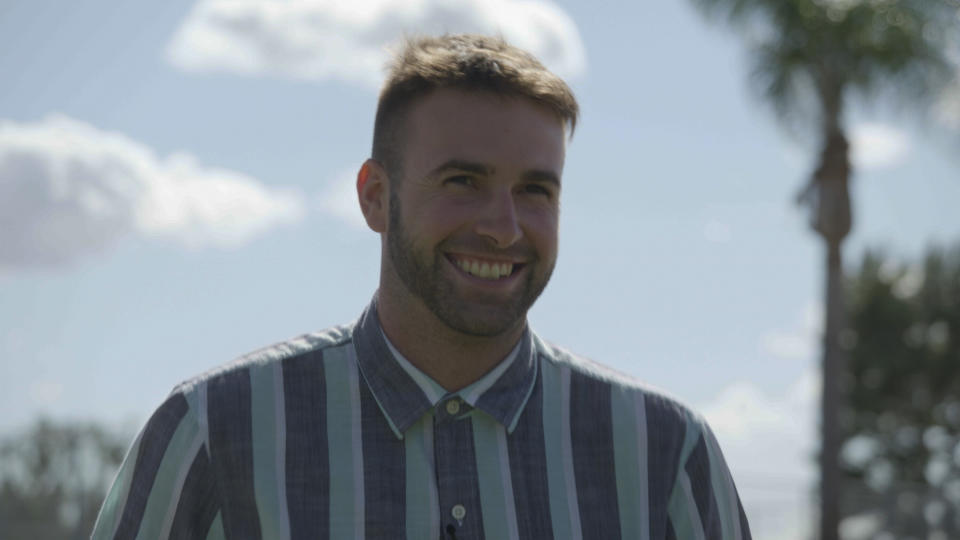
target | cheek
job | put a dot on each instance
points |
(438, 222)
(541, 227)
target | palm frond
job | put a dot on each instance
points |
(803, 51)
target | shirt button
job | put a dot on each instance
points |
(453, 407)
(459, 512)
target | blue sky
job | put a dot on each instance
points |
(175, 190)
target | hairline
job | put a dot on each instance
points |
(399, 117)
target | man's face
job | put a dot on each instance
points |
(473, 222)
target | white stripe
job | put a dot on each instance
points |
(507, 480)
(643, 449)
(477, 389)
(280, 421)
(691, 506)
(129, 462)
(192, 450)
(433, 391)
(432, 488)
(573, 505)
(357, 431)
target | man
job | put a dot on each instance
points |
(439, 413)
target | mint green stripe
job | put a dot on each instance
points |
(553, 445)
(629, 459)
(112, 509)
(216, 529)
(266, 476)
(690, 438)
(343, 514)
(489, 475)
(176, 457)
(682, 510)
(421, 500)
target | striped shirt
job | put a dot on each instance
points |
(332, 435)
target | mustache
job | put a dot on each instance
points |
(481, 246)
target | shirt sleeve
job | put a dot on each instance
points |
(704, 502)
(165, 487)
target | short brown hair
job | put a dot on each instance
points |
(467, 62)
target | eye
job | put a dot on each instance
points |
(538, 189)
(461, 180)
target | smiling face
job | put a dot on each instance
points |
(472, 229)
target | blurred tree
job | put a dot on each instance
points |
(53, 478)
(902, 418)
(810, 57)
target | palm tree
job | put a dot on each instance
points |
(810, 59)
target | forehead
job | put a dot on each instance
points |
(502, 131)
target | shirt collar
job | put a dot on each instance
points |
(502, 393)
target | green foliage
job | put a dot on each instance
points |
(53, 478)
(902, 413)
(809, 58)
(808, 54)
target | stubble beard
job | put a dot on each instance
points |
(422, 275)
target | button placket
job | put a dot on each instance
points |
(457, 485)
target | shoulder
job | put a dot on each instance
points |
(658, 404)
(315, 343)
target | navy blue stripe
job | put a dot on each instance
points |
(153, 445)
(591, 431)
(503, 400)
(669, 534)
(666, 425)
(457, 483)
(384, 473)
(401, 397)
(744, 526)
(698, 470)
(307, 456)
(231, 451)
(199, 501)
(528, 470)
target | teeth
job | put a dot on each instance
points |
(485, 269)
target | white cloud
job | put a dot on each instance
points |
(769, 442)
(799, 342)
(68, 189)
(769, 437)
(44, 393)
(349, 39)
(717, 232)
(877, 146)
(873, 146)
(788, 345)
(339, 199)
(947, 108)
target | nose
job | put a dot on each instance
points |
(499, 221)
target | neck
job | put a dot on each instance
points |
(453, 359)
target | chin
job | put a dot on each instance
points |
(489, 326)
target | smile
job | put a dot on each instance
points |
(482, 269)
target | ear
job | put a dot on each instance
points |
(373, 191)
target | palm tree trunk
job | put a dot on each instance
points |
(832, 219)
(833, 362)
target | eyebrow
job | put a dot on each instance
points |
(463, 165)
(538, 175)
(534, 175)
